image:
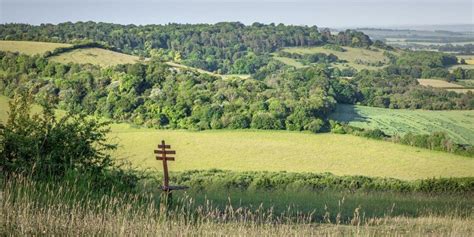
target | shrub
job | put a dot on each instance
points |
(42, 145)
(265, 120)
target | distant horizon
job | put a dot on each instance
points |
(420, 27)
(322, 13)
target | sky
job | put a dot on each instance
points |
(325, 13)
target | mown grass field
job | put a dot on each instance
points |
(96, 56)
(456, 87)
(29, 47)
(351, 55)
(251, 150)
(458, 124)
(437, 83)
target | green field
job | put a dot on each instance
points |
(458, 87)
(459, 125)
(251, 150)
(96, 56)
(247, 150)
(29, 47)
(351, 55)
(289, 61)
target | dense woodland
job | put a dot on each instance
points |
(230, 47)
(275, 97)
(157, 95)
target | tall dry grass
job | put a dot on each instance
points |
(35, 208)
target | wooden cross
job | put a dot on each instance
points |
(161, 155)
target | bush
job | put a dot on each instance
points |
(314, 126)
(265, 120)
(43, 146)
(284, 181)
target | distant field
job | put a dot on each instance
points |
(289, 61)
(436, 83)
(29, 47)
(458, 124)
(468, 58)
(404, 42)
(251, 150)
(96, 56)
(351, 55)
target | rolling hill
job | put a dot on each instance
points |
(29, 47)
(255, 150)
(358, 58)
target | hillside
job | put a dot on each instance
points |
(96, 56)
(253, 150)
(358, 58)
(29, 47)
(457, 124)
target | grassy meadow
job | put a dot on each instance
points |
(351, 55)
(96, 56)
(250, 150)
(456, 87)
(258, 150)
(458, 124)
(29, 47)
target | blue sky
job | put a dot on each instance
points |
(335, 13)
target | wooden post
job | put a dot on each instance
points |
(166, 198)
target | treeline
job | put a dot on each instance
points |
(212, 47)
(462, 49)
(286, 181)
(387, 90)
(157, 95)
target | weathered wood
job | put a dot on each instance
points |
(165, 165)
(164, 152)
(164, 146)
(167, 158)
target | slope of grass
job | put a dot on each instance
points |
(96, 56)
(458, 124)
(29, 47)
(289, 61)
(351, 55)
(437, 83)
(250, 150)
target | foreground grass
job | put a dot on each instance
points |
(75, 208)
(29, 47)
(458, 124)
